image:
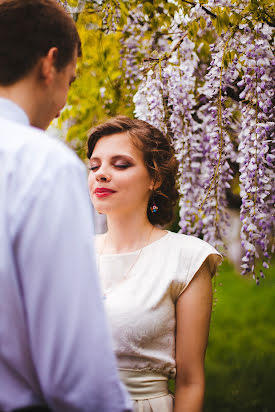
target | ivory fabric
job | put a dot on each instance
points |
(148, 390)
(144, 385)
(161, 404)
(141, 307)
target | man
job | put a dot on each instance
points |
(55, 349)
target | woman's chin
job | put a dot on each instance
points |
(101, 210)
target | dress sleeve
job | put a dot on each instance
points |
(192, 254)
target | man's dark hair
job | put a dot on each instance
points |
(28, 30)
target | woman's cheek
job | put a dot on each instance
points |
(90, 184)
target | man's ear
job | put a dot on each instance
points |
(47, 68)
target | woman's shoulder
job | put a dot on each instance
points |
(190, 253)
(180, 240)
(190, 248)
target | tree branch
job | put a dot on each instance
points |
(203, 7)
(270, 22)
(166, 56)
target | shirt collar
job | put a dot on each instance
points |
(11, 111)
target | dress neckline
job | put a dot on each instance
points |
(138, 250)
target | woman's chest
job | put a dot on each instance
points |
(139, 306)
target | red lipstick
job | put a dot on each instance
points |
(103, 192)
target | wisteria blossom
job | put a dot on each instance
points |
(199, 115)
(137, 46)
(203, 73)
(181, 101)
(256, 153)
(149, 101)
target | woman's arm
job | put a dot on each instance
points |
(193, 312)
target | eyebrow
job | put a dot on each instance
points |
(116, 157)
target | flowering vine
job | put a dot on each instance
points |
(206, 146)
(256, 154)
(203, 73)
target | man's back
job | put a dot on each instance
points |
(54, 346)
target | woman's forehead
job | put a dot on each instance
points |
(118, 144)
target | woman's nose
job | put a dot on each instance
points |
(102, 176)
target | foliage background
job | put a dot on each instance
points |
(240, 359)
(202, 72)
(101, 90)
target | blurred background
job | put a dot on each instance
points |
(119, 39)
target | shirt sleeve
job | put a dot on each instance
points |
(192, 253)
(69, 340)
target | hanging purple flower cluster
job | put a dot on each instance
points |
(136, 46)
(216, 116)
(149, 100)
(180, 74)
(111, 15)
(216, 119)
(133, 44)
(256, 155)
(203, 73)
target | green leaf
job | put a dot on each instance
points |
(228, 57)
(235, 18)
(148, 8)
(72, 3)
(172, 8)
(247, 9)
(205, 51)
(193, 29)
(217, 23)
(226, 20)
(202, 23)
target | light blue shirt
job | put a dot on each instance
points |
(54, 344)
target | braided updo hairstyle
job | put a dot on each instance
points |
(159, 159)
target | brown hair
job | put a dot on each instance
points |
(28, 30)
(158, 158)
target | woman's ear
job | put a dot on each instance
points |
(156, 179)
(156, 183)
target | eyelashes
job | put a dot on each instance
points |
(122, 166)
(118, 166)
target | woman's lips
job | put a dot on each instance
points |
(103, 192)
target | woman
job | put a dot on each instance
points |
(156, 284)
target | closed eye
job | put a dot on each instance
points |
(93, 168)
(122, 166)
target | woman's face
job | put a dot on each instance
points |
(119, 181)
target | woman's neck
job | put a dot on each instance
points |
(126, 235)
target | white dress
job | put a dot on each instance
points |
(141, 311)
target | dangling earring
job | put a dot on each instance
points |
(154, 208)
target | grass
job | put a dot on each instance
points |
(240, 360)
